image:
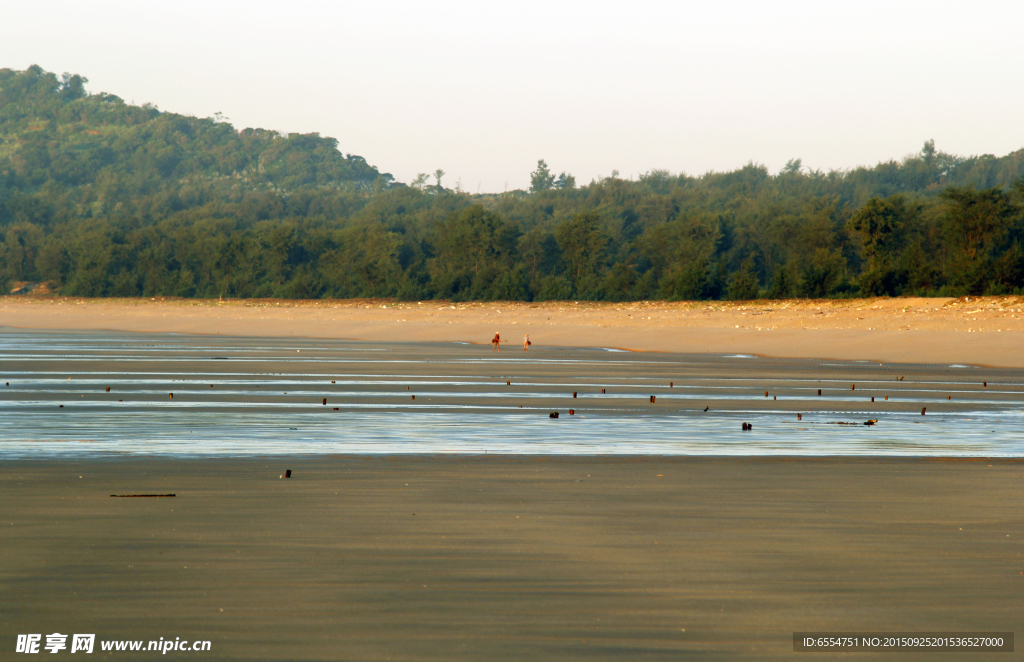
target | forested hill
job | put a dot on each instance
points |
(104, 198)
(99, 153)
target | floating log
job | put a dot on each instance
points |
(142, 495)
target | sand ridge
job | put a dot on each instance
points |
(970, 330)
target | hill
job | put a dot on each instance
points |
(103, 198)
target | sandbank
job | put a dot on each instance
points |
(986, 331)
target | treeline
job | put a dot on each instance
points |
(104, 198)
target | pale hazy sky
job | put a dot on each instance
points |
(483, 90)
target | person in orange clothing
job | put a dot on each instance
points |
(526, 342)
(496, 342)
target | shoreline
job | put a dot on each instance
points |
(981, 331)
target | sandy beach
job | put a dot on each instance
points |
(986, 331)
(502, 558)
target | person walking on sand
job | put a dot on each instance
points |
(496, 342)
(526, 342)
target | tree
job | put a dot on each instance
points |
(438, 174)
(471, 250)
(783, 283)
(541, 179)
(420, 181)
(821, 273)
(565, 182)
(581, 242)
(975, 222)
(689, 282)
(72, 86)
(976, 219)
(744, 286)
(881, 225)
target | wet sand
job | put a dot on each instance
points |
(502, 558)
(96, 392)
(985, 331)
(476, 557)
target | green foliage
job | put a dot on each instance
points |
(744, 286)
(541, 179)
(105, 198)
(581, 243)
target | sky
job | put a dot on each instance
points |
(484, 90)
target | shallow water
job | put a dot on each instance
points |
(245, 396)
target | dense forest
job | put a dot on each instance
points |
(104, 198)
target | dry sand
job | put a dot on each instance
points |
(979, 331)
(501, 558)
